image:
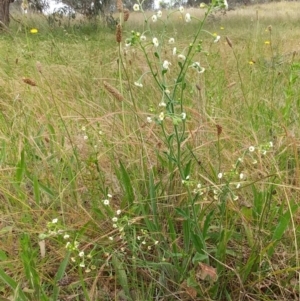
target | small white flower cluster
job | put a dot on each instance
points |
(79, 257)
(54, 230)
(146, 241)
(106, 201)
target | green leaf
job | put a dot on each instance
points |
(59, 275)
(12, 284)
(121, 275)
(126, 185)
(156, 54)
(283, 223)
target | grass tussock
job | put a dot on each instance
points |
(132, 173)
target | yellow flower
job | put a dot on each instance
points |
(221, 27)
(202, 5)
(267, 42)
(33, 30)
(251, 63)
(215, 34)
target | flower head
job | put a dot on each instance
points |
(149, 120)
(197, 66)
(202, 5)
(171, 41)
(159, 14)
(143, 38)
(33, 30)
(217, 39)
(138, 84)
(188, 18)
(154, 18)
(155, 42)
(174, 51)
(181, 57)
(161, 116)
(267, 42)
(106, 202)
(166, 65)
(181, 9)
(136, 7)
(251, 149)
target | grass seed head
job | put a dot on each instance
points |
(113, 91)
(229, 42)
(119, 33)
(126, 14)
(119, 6)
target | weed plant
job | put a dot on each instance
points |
(157, 163)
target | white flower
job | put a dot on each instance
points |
(202, 5)
(187, 18)
(66, 236)
(174, 51)
(159, 14)
(235, 198)
(251, 149)
(161, 116)
(81, 254)
(167, 91)
(106, 202)
(143, 38)
(171, 41)
(181, 9)
(111, 238)
(217, 39)
(127, 43)
(73, 259)
(54, 221)
(138, 84)
(154, 18)
(242, 176)
(68, 244)
(109, 195)
(166, 65)
(149, 120)
(155, 42)
(270, 144)
(198, 67)
(162, 104)
(226, 4)
(238, 185)
(183, 115)
(83, 128)
(85, 137)
(114, 219)
(220, 175)
(136, 7)
(181, 57)
(115, 226)
(82, 265)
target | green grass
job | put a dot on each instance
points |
(203, 215)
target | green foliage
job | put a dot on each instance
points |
(184, 188)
